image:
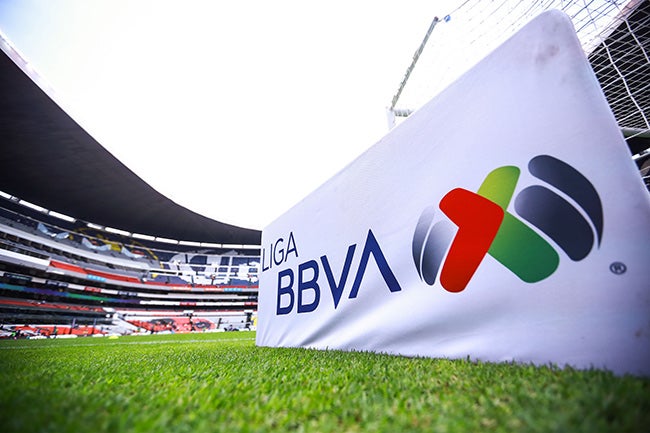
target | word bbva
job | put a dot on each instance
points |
(309, 271)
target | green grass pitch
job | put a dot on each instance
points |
(222, 382)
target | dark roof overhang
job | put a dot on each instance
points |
(48, 159)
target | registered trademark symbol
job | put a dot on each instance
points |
(618, 268)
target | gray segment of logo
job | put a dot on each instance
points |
(571, 182)
(440, 237)
(557, 218)
(430, 243)
(421, 230)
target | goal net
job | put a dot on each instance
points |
(615, 36)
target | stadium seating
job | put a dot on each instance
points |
(91, 282)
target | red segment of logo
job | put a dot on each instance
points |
(478, 220)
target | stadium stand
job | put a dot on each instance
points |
(48, 281)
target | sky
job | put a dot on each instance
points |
(238, 110)
(235, 110)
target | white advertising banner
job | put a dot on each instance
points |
(504, 221)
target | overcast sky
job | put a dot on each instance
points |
(236, 110)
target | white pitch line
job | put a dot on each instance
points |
(124, 343)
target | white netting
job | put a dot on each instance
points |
(614, 34)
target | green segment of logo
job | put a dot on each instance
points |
(516, 246)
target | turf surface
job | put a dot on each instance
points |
(223, 383)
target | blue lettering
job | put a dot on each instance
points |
(309, 284)
(372, 247)
(275, 252)
(291, 246)
(286, 290)
(337, 289)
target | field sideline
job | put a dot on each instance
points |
(222, 382)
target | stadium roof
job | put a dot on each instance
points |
(47, 159)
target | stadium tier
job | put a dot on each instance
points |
(62, 278)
